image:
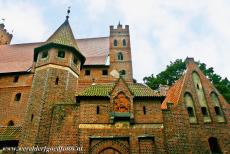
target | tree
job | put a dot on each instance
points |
(175, 70)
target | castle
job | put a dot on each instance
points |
(81, 92)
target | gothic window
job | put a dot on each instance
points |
(122, 72)
(61, 54)
(190, 107)
(214, 146)
(16, 77)
(17, 97)
(10, 123)
(124, 43)
(217, 107)
(120, 56)
(115, 43)
(44, 54)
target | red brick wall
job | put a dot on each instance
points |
(11, 109)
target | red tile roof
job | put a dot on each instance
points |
(173, 93)
(19, 57)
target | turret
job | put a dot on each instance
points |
(57, 66)
(5, 37)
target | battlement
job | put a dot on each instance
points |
(5, 37)
(119, 30)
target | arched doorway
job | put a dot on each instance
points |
(214, 146)
(109, 151)
(109, 147)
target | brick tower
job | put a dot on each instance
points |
(57, 67)
(120, 52)
(5, 37)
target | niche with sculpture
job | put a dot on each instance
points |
(121, 103)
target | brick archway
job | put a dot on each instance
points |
(109, 145)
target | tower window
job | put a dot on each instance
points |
(217, 110)
(124, 43)
(87, 72)
(204, 111)
(17, 97)
(98, 110)
(120, 56)
(104, 72)
(16, 78)
(56, 81)
(144, 109)
(115, 43)
(190, 111)
(10, 123)
(214, 146)
(32, 117)
(122, 72)
(61, 54)
(44, 54)
(75, 59)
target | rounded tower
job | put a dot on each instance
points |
(57, 65)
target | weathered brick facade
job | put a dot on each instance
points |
(96, 107)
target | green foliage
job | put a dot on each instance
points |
(175, 70)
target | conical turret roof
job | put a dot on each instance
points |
(64, 36)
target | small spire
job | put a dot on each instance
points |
(119, 24)
(68, 11)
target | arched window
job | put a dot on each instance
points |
(214, 146)
(201, 97)
(10, 123)
(124, 43)
(17, 97)
(122, 72)
(190, 107)
(217, 107)
(115, 43)
(120, 56)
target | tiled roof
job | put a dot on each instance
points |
(137, 89)
(10, 133)
(98, 90)
(173, 93)
(64, 36)
(19, 57)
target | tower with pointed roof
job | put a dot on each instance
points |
(5, 37)
(57, 65)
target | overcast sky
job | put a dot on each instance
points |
(161, 30)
